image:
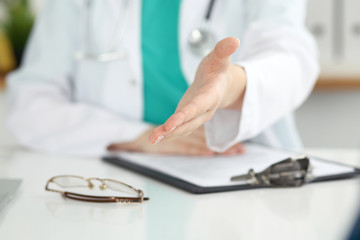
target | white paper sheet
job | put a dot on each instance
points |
(217, 171)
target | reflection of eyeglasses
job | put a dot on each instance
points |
(70, 181)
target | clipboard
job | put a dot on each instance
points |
(201, 175)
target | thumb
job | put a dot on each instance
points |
(224, 49)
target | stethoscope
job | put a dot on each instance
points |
(200, 41)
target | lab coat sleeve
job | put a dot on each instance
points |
(280, 60)
(41, 113)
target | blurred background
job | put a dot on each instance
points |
(330, 118)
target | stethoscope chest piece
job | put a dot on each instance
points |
(201, 41)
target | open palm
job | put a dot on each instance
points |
(207, 93)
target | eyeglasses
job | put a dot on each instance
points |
(71, 181)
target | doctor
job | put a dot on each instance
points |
(162, 76)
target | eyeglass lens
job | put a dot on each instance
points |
(119, 187)
(78, 182)
(70, 181)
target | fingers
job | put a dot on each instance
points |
(190, 151)
(158, 134)
(183, 130)
(198, 148)
(226, 47)
(197, 106)
(185, 146)
(238, 148)
(189, 117)
(223, 50)
(194, 145)
(113, 147)
(121, 147)
(189, 127)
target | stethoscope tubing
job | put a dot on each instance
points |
(209, 10)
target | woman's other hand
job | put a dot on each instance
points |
(193, 144)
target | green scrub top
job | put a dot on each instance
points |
(164, 82)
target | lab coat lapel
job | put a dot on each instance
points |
(132, 40)
(192, 15)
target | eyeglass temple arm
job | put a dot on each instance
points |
(89, 198)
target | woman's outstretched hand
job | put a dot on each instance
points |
(217, 84)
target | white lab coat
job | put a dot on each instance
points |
(62, 105)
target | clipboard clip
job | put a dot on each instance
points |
(290, 172)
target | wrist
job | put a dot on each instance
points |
(235, 88)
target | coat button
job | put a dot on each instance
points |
(132, 82)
